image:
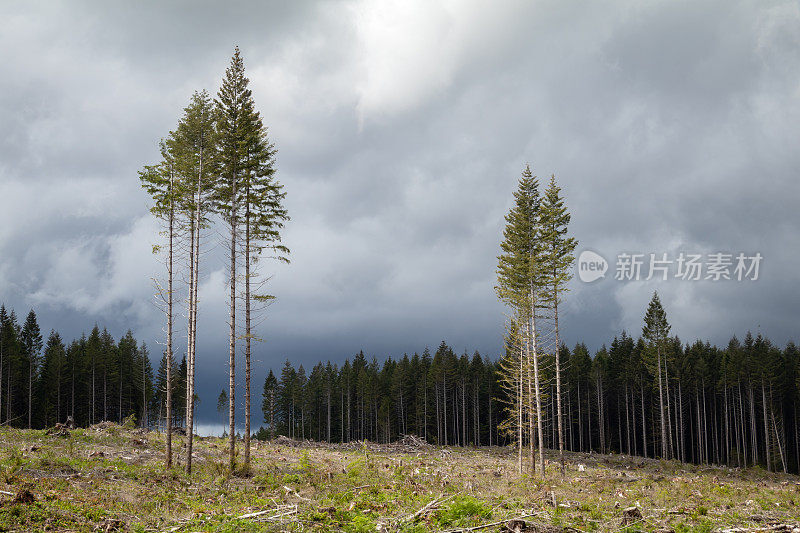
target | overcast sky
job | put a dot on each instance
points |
(402, 129)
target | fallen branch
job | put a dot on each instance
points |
(282, 512)
(428, 507)
(492, 524)
(290, 490)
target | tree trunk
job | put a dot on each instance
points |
(523, 372)
(94, 355)
(30, 388)
(741, 425)
(1, 372)
(671, 447)
(248, 332)
(169, 323)
(232, 337)
(680, 424)
(627, 421)
(558, 382)
(661, 406)
(727, 427)
(144, 391)
(767, 451)
(329, 410)
(644, 421)
(194, 273)
(580, 420)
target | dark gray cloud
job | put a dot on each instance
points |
(402, 128)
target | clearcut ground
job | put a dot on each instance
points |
(109, 478)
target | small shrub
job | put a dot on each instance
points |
(11, 468)
(361, 524)
(463, 509)
(129, 422)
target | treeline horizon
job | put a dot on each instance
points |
(93, 378)
(734, 406)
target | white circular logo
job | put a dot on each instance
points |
(591, 266)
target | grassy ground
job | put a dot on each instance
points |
(111, 478)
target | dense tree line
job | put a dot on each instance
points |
(90, 379)
(444, 397)
(736, 406)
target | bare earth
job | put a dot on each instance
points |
(108, 478)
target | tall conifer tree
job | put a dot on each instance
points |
(520, 278)
(656, 331)
(558, 260)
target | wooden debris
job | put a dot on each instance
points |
(787, 528)
(109, 524)
(427, 508)
(413, 441)
(517, 525)
(631, 515)
(269, 515)
(59, 430)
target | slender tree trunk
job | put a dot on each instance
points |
(195, 288)
(681, 424)
(444, 409)
(490, 417)
(627, 420)
(144, 391)
(349, 433)
(30, 388)
(699, 426)
(94, 355)
(329, 411)
(796, 438)
(778, 441)
(537, 392)
(670, 442)
(341, 409)
(248, 331)
(661, 406)
(705, 424)
(1, 371)
(58, 388)
(580, 419)
(601, 433)
(753, 434)
(558, 381)
(169, 322)
(727, 427)
(232, 336)
(741, 425)
(463, 412)
(194, 256)
(644, 421)
(524, 375)
(8, 396)
(767, 451)
(570, 422)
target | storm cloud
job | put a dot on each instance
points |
(402, 128)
